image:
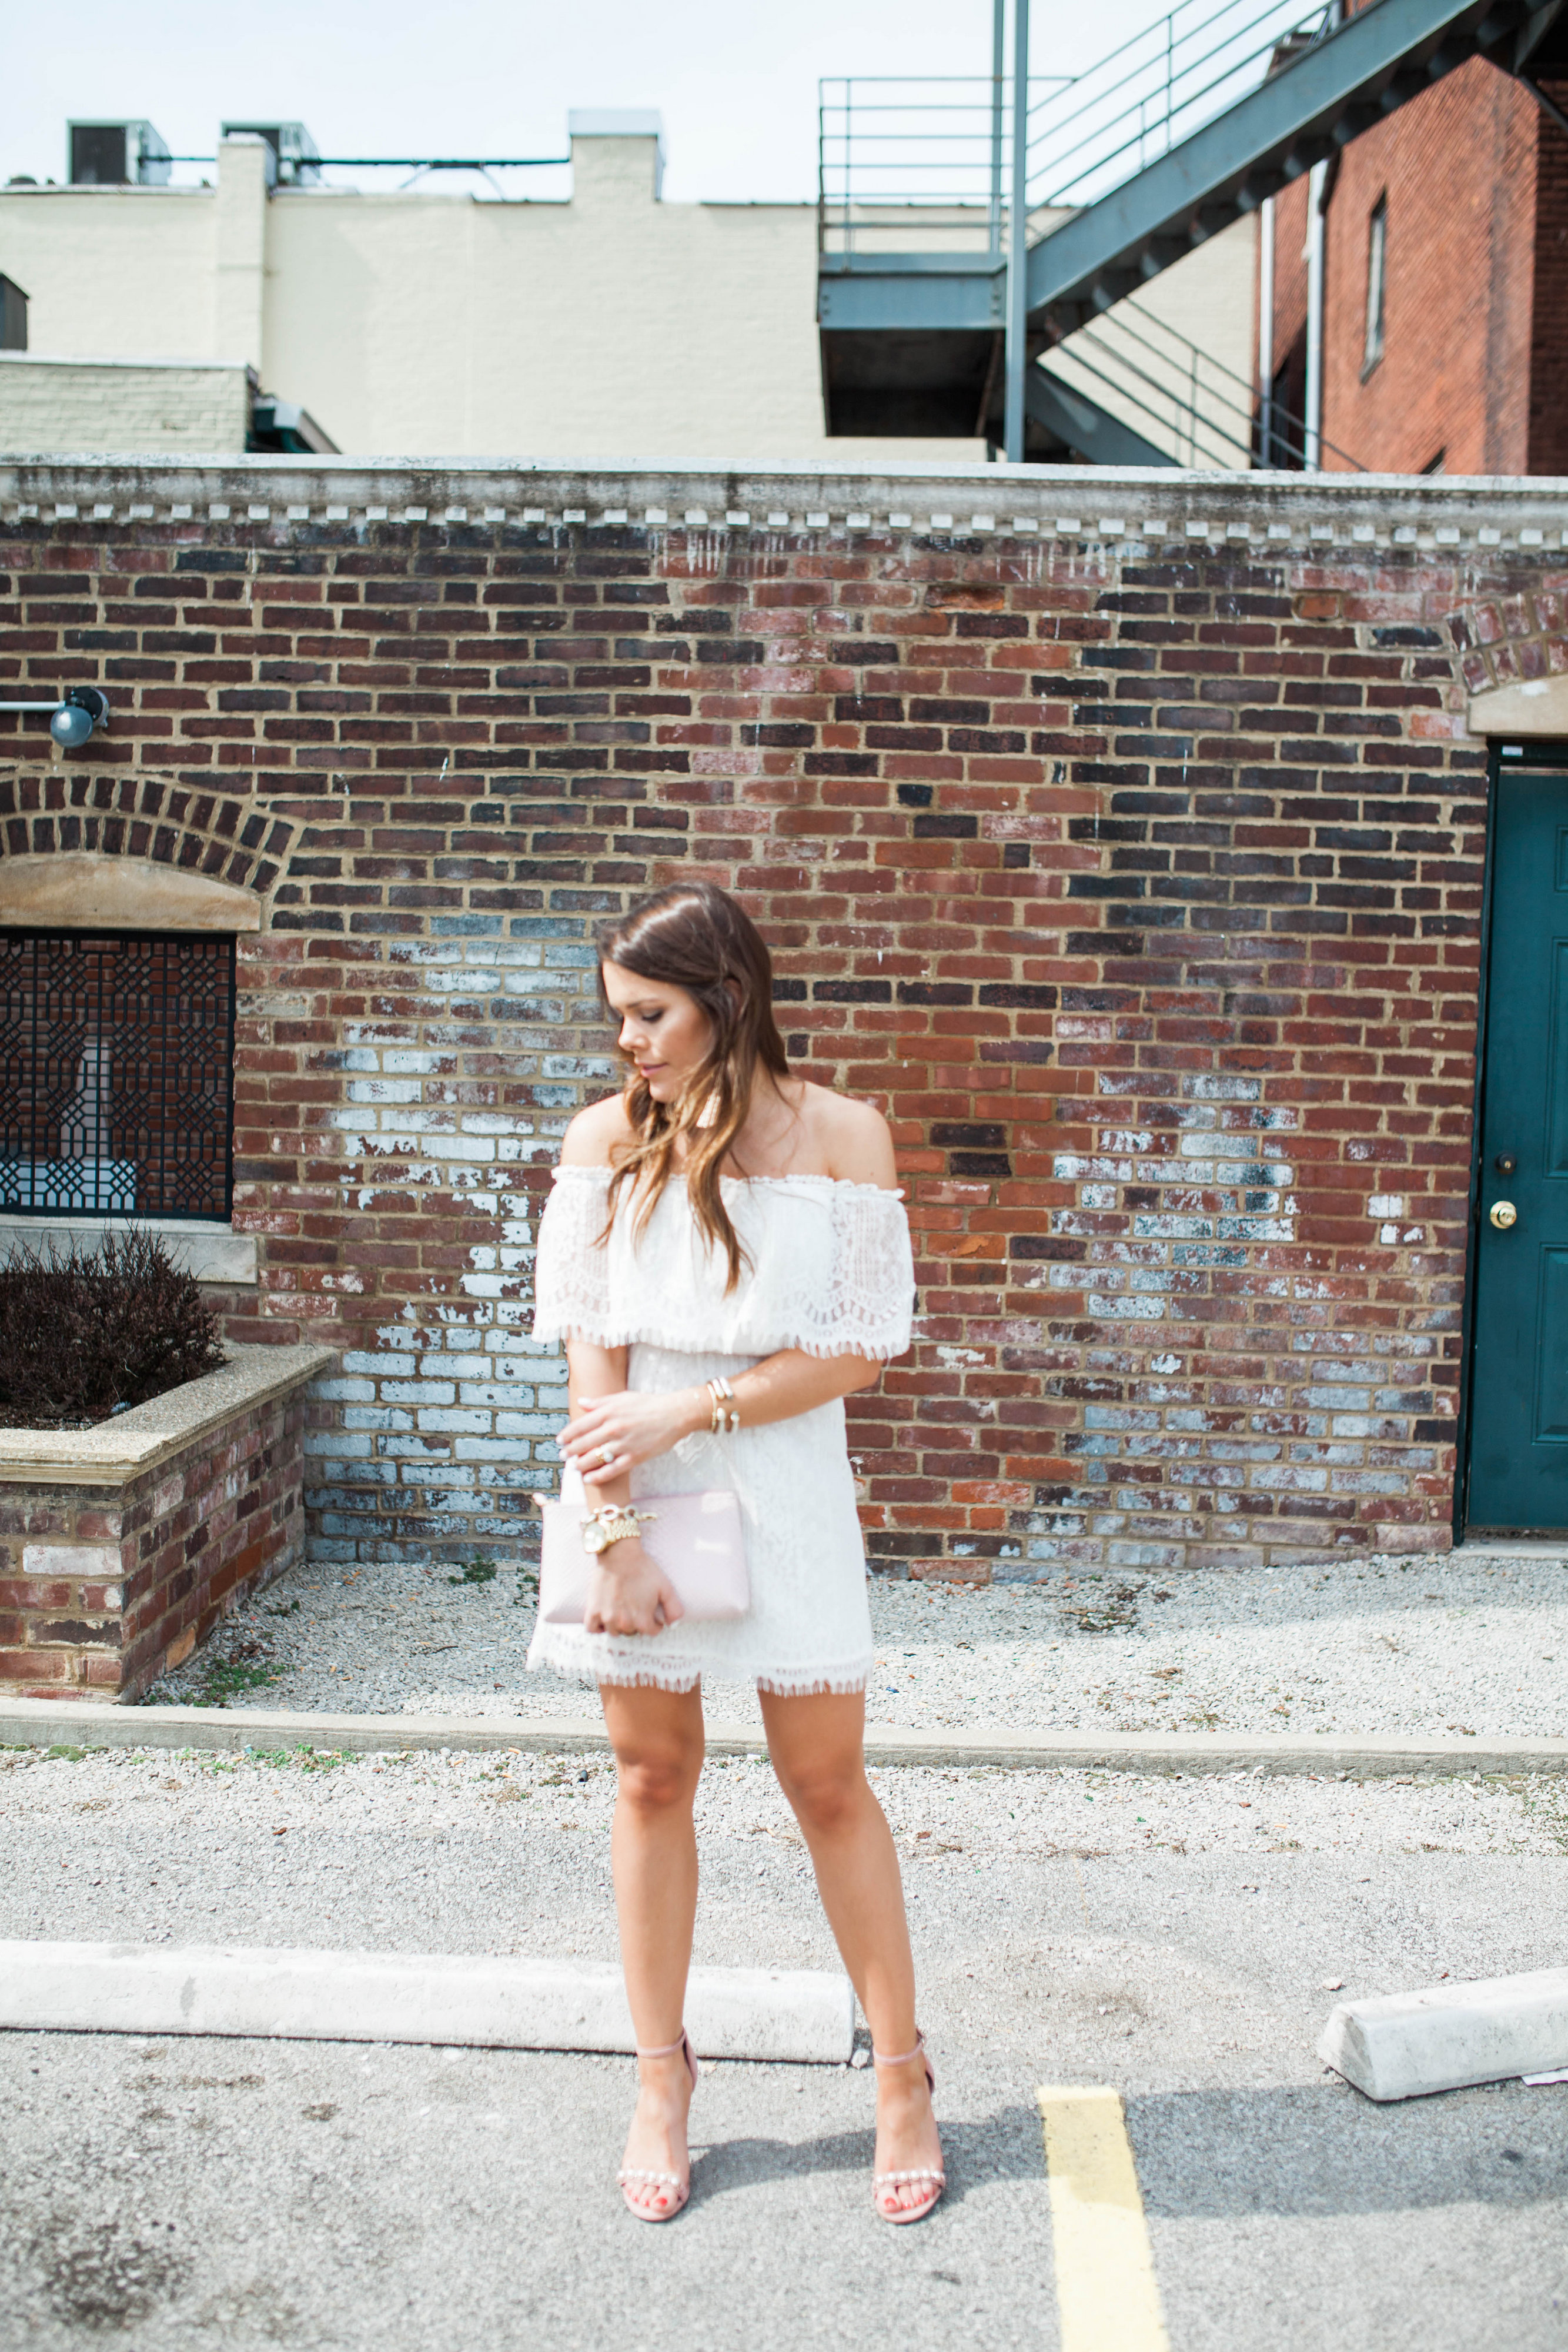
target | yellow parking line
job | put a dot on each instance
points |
(1105, 2289)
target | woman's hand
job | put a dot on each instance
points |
(628, 1593)
(631, 1426)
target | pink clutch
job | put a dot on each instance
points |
(695, 1538)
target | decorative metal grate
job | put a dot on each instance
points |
(116, 1075)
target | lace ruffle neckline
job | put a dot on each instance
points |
(800, 1176)
(826, 1268)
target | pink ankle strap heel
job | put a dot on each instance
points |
(634, 2181)
(880, 2182)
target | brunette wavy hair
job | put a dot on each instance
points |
(696, 937)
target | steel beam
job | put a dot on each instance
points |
(920, 292)
(1086, 426)
(1013, 426)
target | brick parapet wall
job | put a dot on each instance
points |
(1134, 871)
(101, 1588)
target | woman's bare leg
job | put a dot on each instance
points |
(817, 1745)
(657, 1737)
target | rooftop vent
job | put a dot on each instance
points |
(295, 158)
(116, 155)
(282, 424)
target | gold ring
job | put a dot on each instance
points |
(607, 1453)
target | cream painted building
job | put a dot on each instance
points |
(421, 324)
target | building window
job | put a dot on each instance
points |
(1377, 278)
(116, 1073)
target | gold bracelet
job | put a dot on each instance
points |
(725, 1416)
(612, 1523)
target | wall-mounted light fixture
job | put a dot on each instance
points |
(80, 714)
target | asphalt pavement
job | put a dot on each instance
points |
(166, 2193)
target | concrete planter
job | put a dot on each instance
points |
(121, 1546)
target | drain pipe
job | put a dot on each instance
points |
(1018, 252)
(998, 119)
(1266, 332)
(1311, 439)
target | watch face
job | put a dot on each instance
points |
(594, 1536)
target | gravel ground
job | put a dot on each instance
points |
(1425, 1645)
(264, 1848)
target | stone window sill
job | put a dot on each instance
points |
(212, 1253)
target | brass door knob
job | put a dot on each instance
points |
(1504, 1215)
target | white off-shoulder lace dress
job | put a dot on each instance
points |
(828, 1269)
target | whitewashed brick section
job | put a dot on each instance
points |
(94, 1563)
(456, 1409)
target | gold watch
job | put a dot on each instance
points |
(611, 1522)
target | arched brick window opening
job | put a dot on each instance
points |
(123, 902)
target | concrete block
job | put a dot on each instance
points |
(1406, 2044)
(804, 2015)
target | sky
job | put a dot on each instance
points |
(735, 80)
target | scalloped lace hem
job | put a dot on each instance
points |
(673, 1675)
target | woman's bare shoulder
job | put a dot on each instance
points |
(591, 1139)
(853, 1138)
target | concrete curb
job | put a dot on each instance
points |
(32, 1723)
(1404, 2046)
(800, 2015)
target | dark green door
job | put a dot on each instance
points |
(1518, 1397)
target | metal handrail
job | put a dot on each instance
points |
(884, 141)
(1185, 418)
(1233, 375)
(1178, 420)
(894, 143)
(1177, 415)
(1179, 99)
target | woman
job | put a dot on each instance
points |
(720, 1222)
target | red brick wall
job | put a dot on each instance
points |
(1458, 169)
(1137, 876)
(101, 1588)
(1475, 334)
(1548, 444)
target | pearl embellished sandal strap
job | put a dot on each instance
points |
(896, 2179)
(629, 2173)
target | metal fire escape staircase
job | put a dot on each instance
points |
(1115, 173)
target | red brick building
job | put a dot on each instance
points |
(1123, 837)
(1444, 334)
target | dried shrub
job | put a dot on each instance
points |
(82, 1335)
